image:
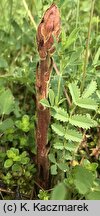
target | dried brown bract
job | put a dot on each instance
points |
(47, 30)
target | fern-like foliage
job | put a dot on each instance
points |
(75, 92)
(59, 145)
(91, 88)
(87, 103)
(58, 129)
(83, 121)
(45, 102)
(51, 97)
(59, 114)
(73, 135)
(98, 94)
(84, 101)
(77, 120)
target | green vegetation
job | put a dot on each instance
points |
(73, 100)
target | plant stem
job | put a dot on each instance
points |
(10, 15)
(65, 91)
(87, 45)
(77, 13)
(77, 18)
(43, 120)
(45, 44)
(58, 92)
(67, 97)
(6, 191)
(29, 14)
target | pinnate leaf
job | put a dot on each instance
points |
(60, 114)
(72, 37)
(59, 145)
(73, 135)
(51, 97)
(98, 94)
(83, 121)
(58, 129)
(74, 91)
(87, 103)
(45, 102)
(91, 88)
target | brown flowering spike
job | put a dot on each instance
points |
(48, 28)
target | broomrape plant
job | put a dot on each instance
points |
(49, 113)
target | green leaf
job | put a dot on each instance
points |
(59, 146)
(93, 195)
(16, 158)
(84, 102)
(17, 28)
(71, 147)
(75, 57)
(60, 3)
(59, 192)
(74, 91)
(24, 154)
(63, 166)
(6, 102)
(45, 102)
(61, 101)
(24, 125)
(73, 135)
(11, 154)
(72, 37)
(60, 114)
(98, 111)
(8, 163)
(58, 129)
(16, 168)
(83, 121)
(6, 124)
(90, 166)
(91, 88)
(96, 58)
(52, 158)
(15, 150)
(68, 156)
(87, 103)
(3, 63)
(83, 179)
(51, 97)
(54, 169)
(98, 94)
(25, 160)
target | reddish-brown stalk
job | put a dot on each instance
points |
(48, 29)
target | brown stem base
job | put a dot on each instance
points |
(42, 150)
(44, 69)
